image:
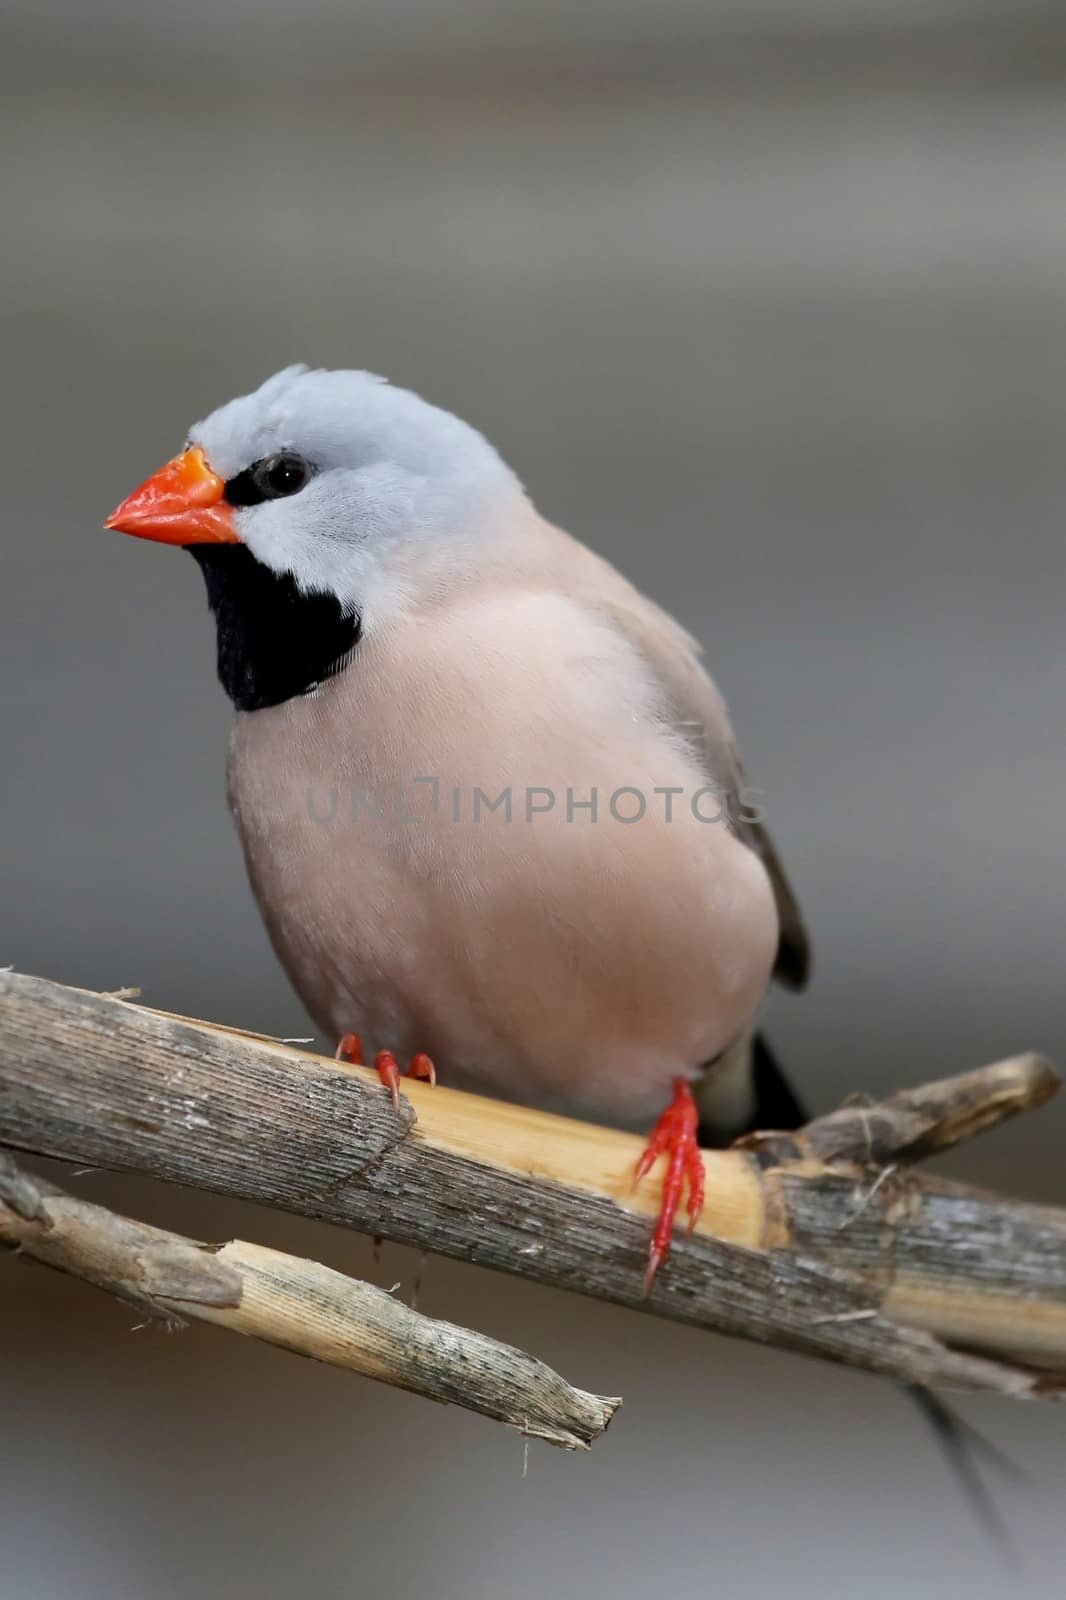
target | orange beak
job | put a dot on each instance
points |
(180, 504)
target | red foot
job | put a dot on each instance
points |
(674, 1132)
(386, 1065)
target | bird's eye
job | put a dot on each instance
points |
(270, 479)
(284, 475)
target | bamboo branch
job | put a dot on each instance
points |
(809, 1242)
(299, 1305)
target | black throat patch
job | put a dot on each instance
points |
(274, 642)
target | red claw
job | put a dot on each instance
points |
(386, 1065)
(388, 1070)
(675, 1132)
(422, 1067)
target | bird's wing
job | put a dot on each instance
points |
(700, 715)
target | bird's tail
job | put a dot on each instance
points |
(746, 1091)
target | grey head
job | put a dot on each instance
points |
(364, 466)
(325, 474)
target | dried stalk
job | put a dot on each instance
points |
(299, 1305)
(806, 1241)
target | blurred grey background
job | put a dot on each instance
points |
(765, 300)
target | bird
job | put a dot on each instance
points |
(491, 804)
